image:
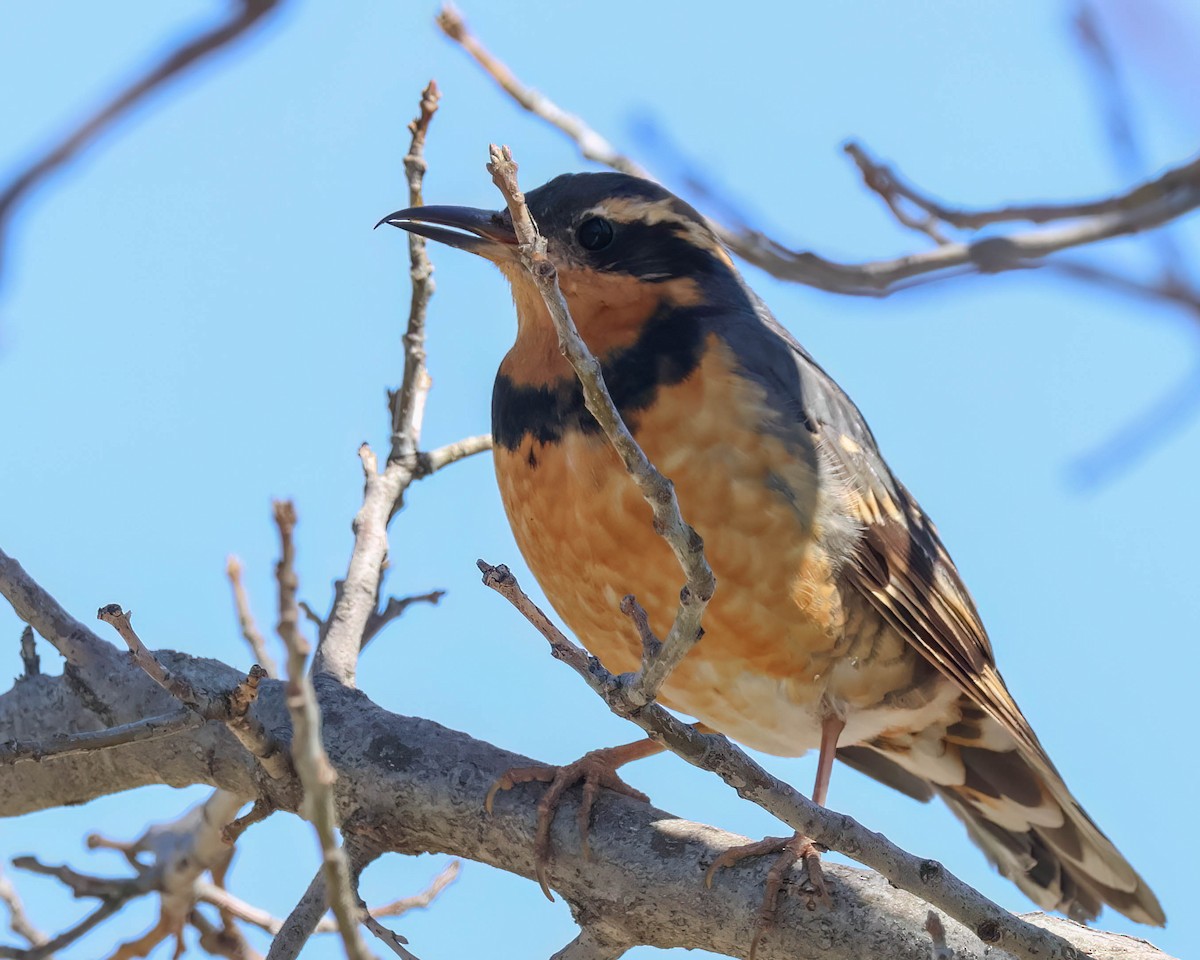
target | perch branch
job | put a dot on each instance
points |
(924, 878)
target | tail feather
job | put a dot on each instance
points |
(1019, 811)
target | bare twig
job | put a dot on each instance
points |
(244, 15)
(651, 645)
(393, 940)
(657, 490)
(308, 754)
(179, 688)
(233, 709)
(250, 631)
(18, 920)
(300, 924)
(893, 189)
(447, 875)
(42, 612)
(65, 744)
(232, 832)
(926, 879)
(1165, 198)
(590, 143)
(354, 617)
(937, 936)
(394, 609)
(248, 913)
(40, 952)
(31, 663)
(408, 403)
(434, 460)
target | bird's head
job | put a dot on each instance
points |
(625, 248)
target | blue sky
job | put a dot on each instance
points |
(198, 318)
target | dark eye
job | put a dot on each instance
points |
(595, 233)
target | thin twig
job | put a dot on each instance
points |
(447, 875)
(408, 403)
(255, 916)
(926, 879)
(341, 639)
(106, 909)
(300, 924)
(31, 663)
(18, 920)
(308, 753)
(31, 603)
(233, 710)
(394, 609)
(1158, 201)
(250, 632)
(591, 144)
(178, 687)
(657, 490)
(651, 645)
(433, 461)
(244, 15)
(66, 744)
(232, 832)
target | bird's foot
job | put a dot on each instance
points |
(594, 770)
(789, 851)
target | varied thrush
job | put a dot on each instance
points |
(839, 622)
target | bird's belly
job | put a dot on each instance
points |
(779, 651)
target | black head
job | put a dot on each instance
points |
(610, 223)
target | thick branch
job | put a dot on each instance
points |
(417, 787)
(923, 878)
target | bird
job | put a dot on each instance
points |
(840, 623)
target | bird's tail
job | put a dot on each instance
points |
(1019, 811)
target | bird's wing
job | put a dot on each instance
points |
(899, 563)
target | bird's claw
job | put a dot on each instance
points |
(789, 851)
(595, 769)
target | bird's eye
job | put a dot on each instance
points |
(595, 233)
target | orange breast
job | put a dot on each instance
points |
(775, 651)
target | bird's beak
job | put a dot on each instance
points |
(484, 232)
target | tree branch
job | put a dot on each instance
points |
(232, 709)
(64, 744)
(18, 920)
(244, 15)
(31, 663)
(416, 787)
(308, 753)
(1161, 200)
(923, 878)
(657, 490)
(342, 638)
(250, 632)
